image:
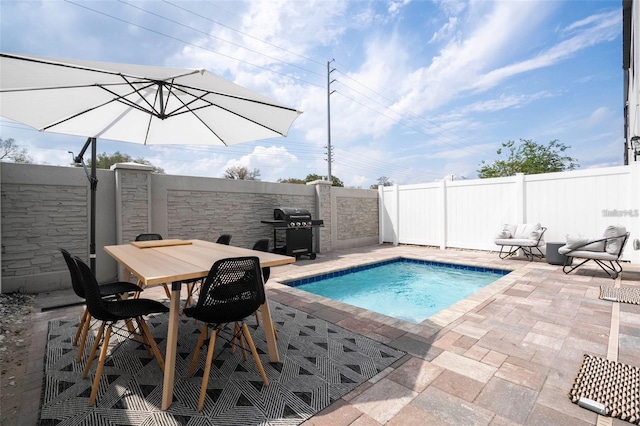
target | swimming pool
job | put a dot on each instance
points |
(407, 289)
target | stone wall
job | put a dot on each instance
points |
(354, 217)
(206, 215)
(36, 220)
(357, 217)
(45, 207)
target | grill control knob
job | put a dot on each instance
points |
(292, 224)
(298, 223)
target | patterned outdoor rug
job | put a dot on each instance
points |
(320, 363)
(613, 386)
(621, 294)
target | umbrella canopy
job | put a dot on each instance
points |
(135, 103)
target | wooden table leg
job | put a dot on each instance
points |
(267, 324)
(172, 343)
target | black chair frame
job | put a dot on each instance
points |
(232, 291)
(111, 290)
(110, 313)
(611, 267)
(193, 286)
(530, 252)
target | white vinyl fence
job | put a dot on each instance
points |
(468, 213)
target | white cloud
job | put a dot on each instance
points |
(272, 161)
(395, 6)
(599, 116)
(446, 30)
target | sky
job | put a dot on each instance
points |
(420, 90)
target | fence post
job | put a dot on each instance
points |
(396, 217)
(634, 198)
(381, 214)
(521, 208)
(443, 214)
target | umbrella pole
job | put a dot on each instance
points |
(93, 182)
(94, 187)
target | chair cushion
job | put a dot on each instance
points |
(524, 235)
(510, 228)
(613, 245)
(516, 242)
(528, 231)
(504, 234)
(585, 254)
(582, 243)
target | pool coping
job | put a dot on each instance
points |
(426, 328)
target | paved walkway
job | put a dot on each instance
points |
(506, 355)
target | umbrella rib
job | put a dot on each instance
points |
(84, 68)
(184, 88)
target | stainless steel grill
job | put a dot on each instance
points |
(297, 225)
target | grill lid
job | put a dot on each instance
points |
(289, 213)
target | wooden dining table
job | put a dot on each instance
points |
(174, 261)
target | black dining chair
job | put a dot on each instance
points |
(224, 239)
(232, 291)
(263, 245)
(148, 237)
(153, 237)
(194, 285)
(110, 313)
(110, 290)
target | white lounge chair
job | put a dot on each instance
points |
(527, 237)
(605, 251)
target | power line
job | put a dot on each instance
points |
(417, 120)
(240, 32)
(189, 43)
(402, 120)
(215, 37)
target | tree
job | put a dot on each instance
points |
(105, 161)
(310, 178)
(529, 158)
(382, 181)
(292, 180)
(335, 180)
(9, 150)
(241, 173)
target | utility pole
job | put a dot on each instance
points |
(329, 147)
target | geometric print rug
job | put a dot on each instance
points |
(319, 363)
(613, 387)
(621, 294)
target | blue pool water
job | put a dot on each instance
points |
(407, 289)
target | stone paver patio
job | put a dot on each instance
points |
(506, 355)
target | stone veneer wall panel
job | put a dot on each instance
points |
(357, 217)
(208, 214)
(356, 213)
(36, 220)
(45, 208)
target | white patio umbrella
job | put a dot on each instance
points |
(134, 103)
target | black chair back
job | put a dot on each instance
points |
(262, 245)
(224, 239)
(95, 304)
(148, 237)
(232, 291)
(76, 278)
